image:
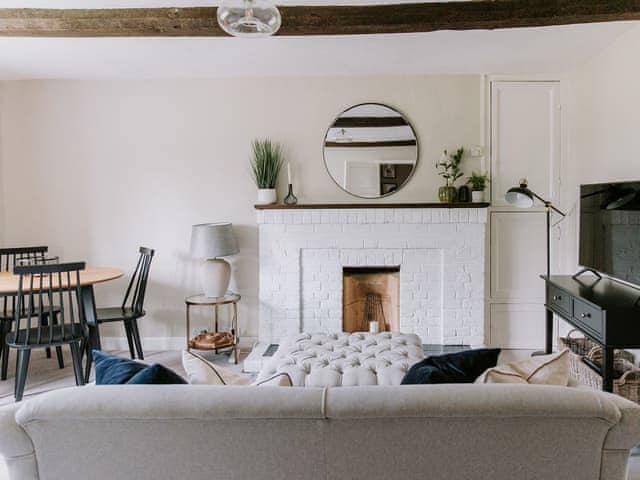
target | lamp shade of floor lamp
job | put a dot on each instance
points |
(210, 242)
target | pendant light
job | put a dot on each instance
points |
(249, 18)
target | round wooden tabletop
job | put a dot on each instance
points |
(88, 276)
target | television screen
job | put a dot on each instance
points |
(610, 229)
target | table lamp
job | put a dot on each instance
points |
(210, 241)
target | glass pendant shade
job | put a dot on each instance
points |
(249, 18)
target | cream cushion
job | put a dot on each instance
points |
(278, 380)
(200, 371)
(542, 370)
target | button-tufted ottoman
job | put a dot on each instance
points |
(345, 359)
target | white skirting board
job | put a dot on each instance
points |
(162, 343)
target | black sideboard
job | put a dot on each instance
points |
(606, 311)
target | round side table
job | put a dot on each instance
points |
(202, 301)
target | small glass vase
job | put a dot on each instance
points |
(290, 199)
(447, 194)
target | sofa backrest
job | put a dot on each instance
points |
(436, 432)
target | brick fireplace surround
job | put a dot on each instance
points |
(440, 253)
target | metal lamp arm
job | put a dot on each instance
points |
(548, 204)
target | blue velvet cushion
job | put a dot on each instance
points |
(113, 370)
(156, 374)
(461, 367)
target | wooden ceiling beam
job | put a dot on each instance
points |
(317, 20)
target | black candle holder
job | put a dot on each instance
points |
(290, 199)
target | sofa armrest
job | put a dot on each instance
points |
(16, 447)
(626, 433)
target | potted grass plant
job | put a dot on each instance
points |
(266, 163)
(478, 184)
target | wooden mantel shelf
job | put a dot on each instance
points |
(319, 206)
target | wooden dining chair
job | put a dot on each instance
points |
(129, 313)
(40, 289)
(9, 259)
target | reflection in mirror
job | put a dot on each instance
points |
(371, 150)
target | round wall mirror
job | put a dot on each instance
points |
(371, 150)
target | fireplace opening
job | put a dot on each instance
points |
(371, 299)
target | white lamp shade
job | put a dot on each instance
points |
(519, 197)
(212, 240)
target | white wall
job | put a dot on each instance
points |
(604, 120)
(94, 169)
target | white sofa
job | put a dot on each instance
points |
(436, 432)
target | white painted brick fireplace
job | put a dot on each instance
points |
(440, 252)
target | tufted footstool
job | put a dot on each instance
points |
(345, 359)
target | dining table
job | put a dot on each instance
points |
(90, 276)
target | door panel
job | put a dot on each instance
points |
(518, 255)
(517, 325)
(362, 177)
(525, 137)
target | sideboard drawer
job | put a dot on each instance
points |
(588, 316)
(559, 299)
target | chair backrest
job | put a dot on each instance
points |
(9, 258)
(40, 287)
(138, 284)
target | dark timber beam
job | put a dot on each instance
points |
(369, 122)
(318, 20)
(372, 144)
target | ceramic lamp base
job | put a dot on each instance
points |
(215, 275)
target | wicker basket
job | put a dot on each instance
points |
(627, 386)
(623, 359)
(578, 345)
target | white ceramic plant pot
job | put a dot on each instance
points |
(266, 196)
(477, 196)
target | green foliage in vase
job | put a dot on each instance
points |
(266, 162)
(478, 181)
(449, 166)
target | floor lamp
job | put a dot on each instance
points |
(523, 197)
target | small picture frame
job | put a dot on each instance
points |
(388, 170)
(389, 187)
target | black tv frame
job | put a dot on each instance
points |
(591, 268)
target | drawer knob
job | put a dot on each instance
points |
(585, 315)
(557, 297)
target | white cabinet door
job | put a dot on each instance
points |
(517, 325)
(518, 256)
(525, 137)
(525, 143)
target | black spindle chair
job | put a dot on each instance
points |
(129, 313)
(10, 258)
(39, 286)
